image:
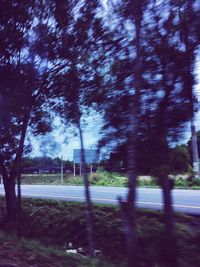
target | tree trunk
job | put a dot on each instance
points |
(12, 204)
(170, 248)
(128, 207)
(131, 197)
(19, 203)
(89, 216)
(10, 196)
(129, 219)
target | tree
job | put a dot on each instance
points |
(23, 92)
(173, 109)
(76, 76)
(189, 145)
(119, 96)
(179, 159)
(149, 109)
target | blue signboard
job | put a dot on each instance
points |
(91, 156)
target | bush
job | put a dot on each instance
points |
(95, 177)
(191, 181)
(151, 181)
(181, 182)
(77, 180)
(187, 182)
(102, 177)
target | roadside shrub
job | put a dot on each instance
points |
(181, 182)
(40, 179)
(95, 177)
(147, 181)
(104, 178)
(187, 182)
(191, 181)
(77, 180)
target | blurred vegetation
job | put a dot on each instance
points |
(58, 223)
(180, 162)
(104, 178)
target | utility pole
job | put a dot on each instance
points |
(195, 154)
(80, 169)
(61, 170)
(91, 169)
(74, 169)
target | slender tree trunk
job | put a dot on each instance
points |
(10, 196)
(12, 203)
(18, 168)
(170, 252)
(19, 204)
(89, 215)
(128, 207)
(171, 258)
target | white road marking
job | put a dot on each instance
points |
(104, 199)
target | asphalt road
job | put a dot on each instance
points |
(187, 201)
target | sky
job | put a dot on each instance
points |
(64, 139)
(197, 93)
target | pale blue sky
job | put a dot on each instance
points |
(62, 140)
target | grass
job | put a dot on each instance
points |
(98, 178)
(104, 178)
(57, 223)
(26, 253)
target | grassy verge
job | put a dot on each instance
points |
(98, 178)
(60, 223)
(103, 178)
(32, 253)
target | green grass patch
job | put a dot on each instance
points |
(104, 178)
(59, 223)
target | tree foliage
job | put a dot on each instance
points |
(138, 71)
(149, 96)
(23, 89)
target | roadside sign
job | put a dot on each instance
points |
(91, 156)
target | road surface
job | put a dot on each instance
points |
(187, 201)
